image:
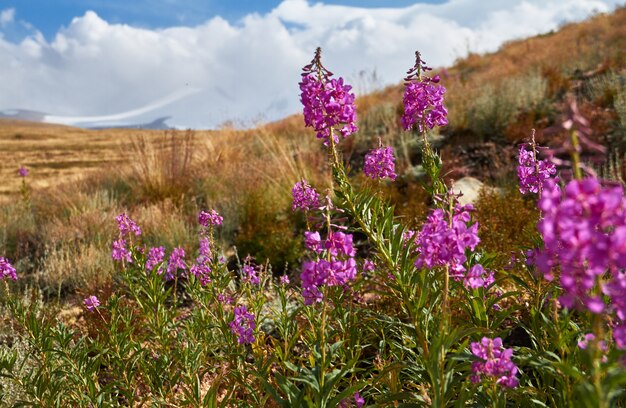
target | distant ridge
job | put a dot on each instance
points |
(40, 117)
(23, 114)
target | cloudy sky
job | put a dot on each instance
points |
(204, 62)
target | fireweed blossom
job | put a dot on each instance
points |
(531, 171)
(120, 252)
(155, 257)
(243, 325)
(225, 299)
(584, 234)
(423, 99)
(495, 362)
(91, 303)
(304, 196)
(209, 218)
(478, 277)
(359, 401)
(7, 270)
(616, 290)
(202, 271)
(176, 262)
(250, 274)
(379, 164)
(588, 339)
(337, 269)
(443, 239)
(202, 268)
(127, 226)
(328, 103)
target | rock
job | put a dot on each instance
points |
(470, 187)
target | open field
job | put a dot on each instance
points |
(57, 154)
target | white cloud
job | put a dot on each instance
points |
(220, 70)
(7, 16)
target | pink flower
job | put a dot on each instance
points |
(127, 226)
(328, 103)
(7, 270)
(209, 218)
(532, 172)
(423, 99)
(584, 233)
(91, 303)
(494, 361)
(243, 325)
(304, 196)
(337, 269)
(155, 257)
(120, 252)
(379, 163)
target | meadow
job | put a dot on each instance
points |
(323, 260)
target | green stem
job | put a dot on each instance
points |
(344, 186)
(598, 331)
(576, 155)
(320, 397)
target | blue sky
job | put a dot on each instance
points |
(204, 62)
(49, 15)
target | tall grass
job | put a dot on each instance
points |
(161, 164)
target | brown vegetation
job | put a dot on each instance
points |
(80, 179)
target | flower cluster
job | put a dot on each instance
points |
(202, 268)
(127, 226)
(531, 171)
(176, 262)
(225, 298)
(619, 335)
(202, 271)
(243, 325)
(358, 401)
(584, 233)
(120, 252)
(210, 218)
(250, 274)
(7, 270)
(616, 290)
(337, 269)
(423, 105)
(588, 339)
(91, 303)
(423, 98)
(379, 163)
(444, 238)
(328, 104)
(22, 171)
(496, 362)
(304, 196)
(478, 277)
(155, 257)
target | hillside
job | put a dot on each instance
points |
(80, 179)
(495, 97)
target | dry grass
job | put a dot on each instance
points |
(80, 179)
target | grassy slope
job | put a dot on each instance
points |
(62, 236)
(57, 153)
